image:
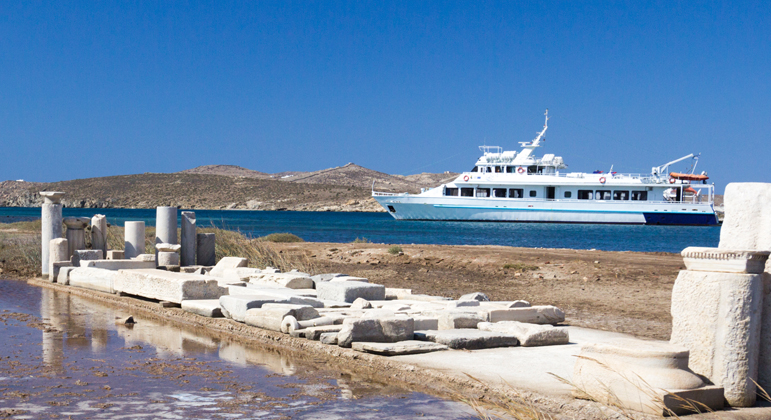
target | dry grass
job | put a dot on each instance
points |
(281, 237)
(20, 249)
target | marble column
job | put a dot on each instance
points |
(206, 249)
(135, 239)
(76, 235)
(188, 240)
(99, 233)
(166, 225)
(51, 223)
(58, 250)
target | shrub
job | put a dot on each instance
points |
(281, 237)
(360, 241)
(520, 267)
(394, 250)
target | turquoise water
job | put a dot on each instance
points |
(382, 228)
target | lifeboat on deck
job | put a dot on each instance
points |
(688, 177)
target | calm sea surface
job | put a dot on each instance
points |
(382, 228)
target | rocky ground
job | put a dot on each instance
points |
(626, 292)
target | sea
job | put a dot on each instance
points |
(382, 228)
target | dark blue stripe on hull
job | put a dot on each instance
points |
(680, 219)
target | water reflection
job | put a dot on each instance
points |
(90, 367)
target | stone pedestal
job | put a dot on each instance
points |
(189, 240)
(168, 255)
(51, 224)
(135, 239)
(646, 376)
(58, 250)
(76, 235)
(716, 314)
(206, 249)
(166, 225)
(99, 233)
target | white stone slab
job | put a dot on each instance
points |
(529, 335)
(118, 264)
(469, 339)
(94, 279)
(398, 348)
(204, 307)
(167, 285)
(235, 307)
(288, 280)
(532, 315)
(384, 330)
(348, 291)
(227, 262)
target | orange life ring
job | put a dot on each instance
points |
(465, 177)
(521, 170)
(602, 180)
(671, 180)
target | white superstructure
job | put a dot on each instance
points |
(510, 186)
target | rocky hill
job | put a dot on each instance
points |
(345, 188)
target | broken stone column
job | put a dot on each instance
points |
(168, 255)
(716, 314)
(99, 233)
(135, 239)
(51, 224)
(205, 245)
(188, 240)
(57, 252)
(76, 235)
(747, 226)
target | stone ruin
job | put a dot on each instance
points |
(719, 349)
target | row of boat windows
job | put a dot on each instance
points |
(534, 169)
(520, 193)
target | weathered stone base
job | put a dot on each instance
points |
(166, 285)
(399, 348)
(469, 339)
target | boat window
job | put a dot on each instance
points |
(499, 192)
(466, 192)
(451, 192)
(640, 195)
(568, 194)
(391, 209)
(475, 169)
(516, 193)
(532, 193)
(498, 169)
(602, 195)
(621, 195)
(585, 194)
(483, 192)
(532, 169)
(511, 169)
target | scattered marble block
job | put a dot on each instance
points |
(326, 277)
(398, 348)
(168, 259)
(315, 333)
(426, 323)
(114, 254)
(53, 274)
(205, 307)
(58, 250)
(724, 261)
(288, 280)
(145, 257)
(646, 376)
(529, 335)
(227, 262)
(64, 275)
(519, 304)
(167, 285)
(477, 296)
(238, 273)
(469, 339)
(361, 303)
(271, 316)
(717, 316)
(117, 264)
(329, 338)
(393, 293)
(349, 278)
(235, 306)
(86, 255)
(93, 279)
(532, 315)
(348, 291)
(456, 320)
(384, 330)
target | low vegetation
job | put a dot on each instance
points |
(395, 249)
(361, 240)
(281, 237)
(520, 267)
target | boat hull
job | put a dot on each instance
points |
(547, 211)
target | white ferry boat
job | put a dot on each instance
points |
(510, 186)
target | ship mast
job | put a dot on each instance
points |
(528, 148)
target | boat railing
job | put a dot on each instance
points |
(386, 194)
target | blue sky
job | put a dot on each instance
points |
(93, 89)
